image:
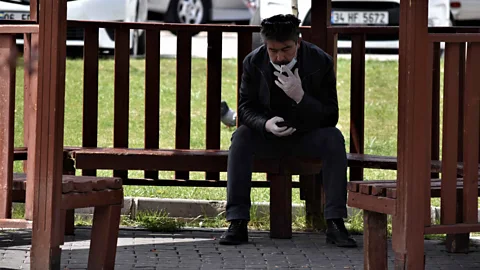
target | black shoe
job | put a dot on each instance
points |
(337, 234)
(227, 116)
(236, 234)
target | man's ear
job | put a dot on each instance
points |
(298, 42)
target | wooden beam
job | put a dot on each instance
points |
(414, 139)
(19, 29)
(30, 105)
(8, 58)
(48, 156)
(371, 203)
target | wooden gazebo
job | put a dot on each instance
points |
(418, 139)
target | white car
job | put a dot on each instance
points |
(465, 12)
(356, 12)
(95, 10)
(199, 11)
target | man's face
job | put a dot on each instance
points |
(281, 53)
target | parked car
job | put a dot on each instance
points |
(355, 12)
(199, 11)
(96, 10)
(465, 12)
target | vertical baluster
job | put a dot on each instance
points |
(435, 152)
(34, 10)
(244, 38)
(214, 94)
(184, 92)
(471, 134)
(459, 242)
(357, 101)
(450, 134)
(121, 110)
(152, 94)
(90, 91)
(30, 104)
(7, 109)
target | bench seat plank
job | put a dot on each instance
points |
(372, 203)
(208, 160)
(388, 188)
(74, 183)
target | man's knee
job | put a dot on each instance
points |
(331, 135)
(334, 135)
(243, 136)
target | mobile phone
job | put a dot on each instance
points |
(283, 124)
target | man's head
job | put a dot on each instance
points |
(281, 36)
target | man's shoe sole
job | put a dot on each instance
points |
(348, 245)
(232, 243)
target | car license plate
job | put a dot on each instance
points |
(7, 15)
(359, 17)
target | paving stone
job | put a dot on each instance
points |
(196, 250)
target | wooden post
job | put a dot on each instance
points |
(48, 145)
(375, 240)
(7, 108)
(30, 103)
(414, 135)
(280, 206)
(320, 12)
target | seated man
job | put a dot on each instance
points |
(292, 82)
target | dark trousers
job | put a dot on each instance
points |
(328, 144)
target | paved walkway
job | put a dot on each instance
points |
(199, 249)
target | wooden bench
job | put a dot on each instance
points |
(378, 199)
(279, 175)
(105, 194)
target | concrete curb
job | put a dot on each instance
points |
(183, 208)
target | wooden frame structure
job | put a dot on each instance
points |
(418, 139)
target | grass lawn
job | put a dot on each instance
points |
(380, 116)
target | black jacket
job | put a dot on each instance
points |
(319, 106)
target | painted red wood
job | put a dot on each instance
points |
(90, 91)
(357, 102)
(184, 92)
(450, 133)
(122, 92)
(8, 56)
(471, 133)
(152, 94)
(214, 95)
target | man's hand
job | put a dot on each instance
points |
(271, 126)
(291, 84)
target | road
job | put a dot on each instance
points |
(229, 47)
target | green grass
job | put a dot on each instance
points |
(380, 128)
(380, 116)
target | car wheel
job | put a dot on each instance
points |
(188, 11)
(139, 36)
(139, 43)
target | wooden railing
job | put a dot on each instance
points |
(183, 116)
(183, 87)
(461, 125)
(8, 59)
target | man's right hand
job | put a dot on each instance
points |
(271, 126)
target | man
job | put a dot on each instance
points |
(291, 81)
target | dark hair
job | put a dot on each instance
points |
(280, 28)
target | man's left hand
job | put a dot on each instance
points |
(291, 84)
